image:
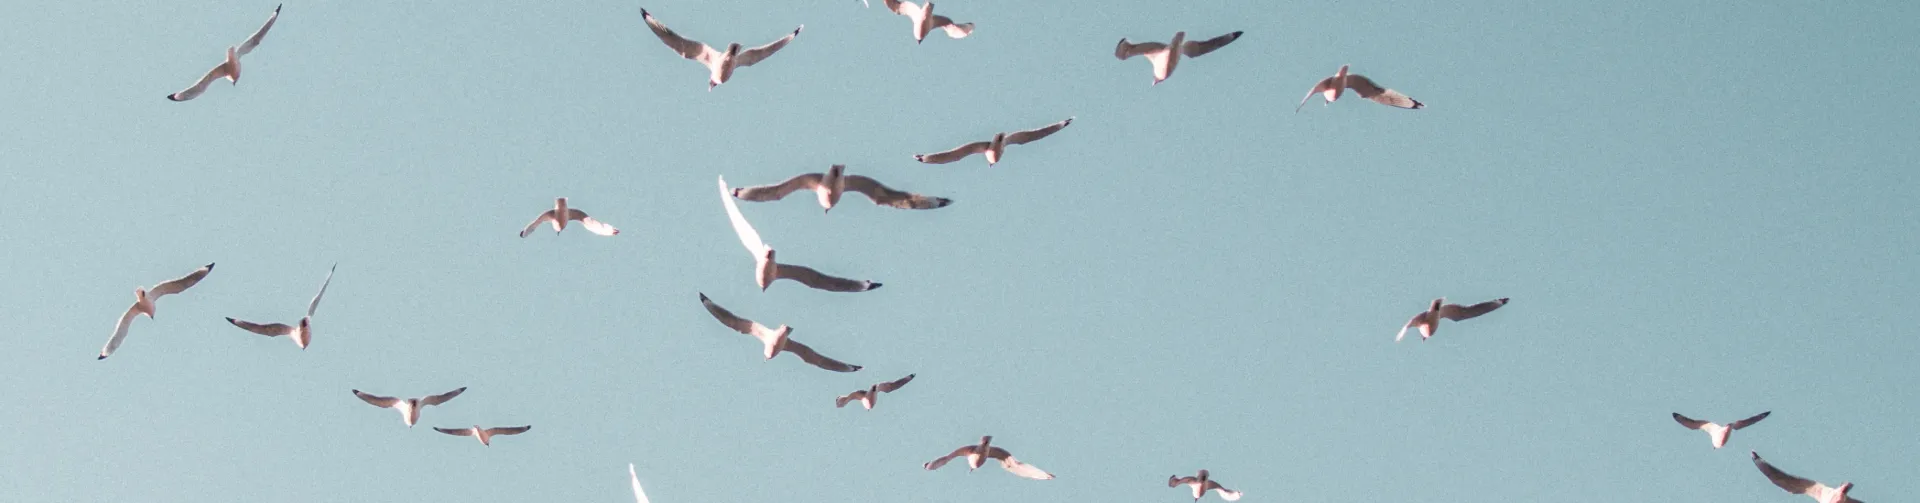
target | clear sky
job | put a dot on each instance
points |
(1701, 208)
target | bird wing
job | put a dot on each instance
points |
(1225, 494)
(807, 354)
(1749, 421)
(842, 401)
(1367, 89)
(886, 196)
(119, 332)
(1175, 481)
(639, 496)
(269, 330)
(509, 430)
(1690, 423)
(591, 225)
(888, 387)
(1016, 467)
(377, 400)
(1197, 48)
(1410, 324)
(942, 460)
(1457, 312)
(954, 30)
(815, 279)
(441, 398)
(958, 153)
(545, 216)
(1319, 87)
(458, 432)
(1779, 478)
(1127, 50)
(904, 8)
(737, 323)
(685, 47)
(1032, 135)
(748, 237)
(254, 41)
(779, 190)
(315, 303)
(179, 285)
(755, 55)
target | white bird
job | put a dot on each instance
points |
(1331, 87)
(484, 434)
(978, 454)
(766, 270)
(560, 208)
(143, 304)
(1818, 491)
(835, 182)
(924, 20)
(1715, 431)
(229, 69)
(1164, 59)
(720, 65)
(1201, 484)
(639, 496)
(872, 393)
(409, 407)
(995, 147)
(302, 332)
(773, 340)
(1429, 320)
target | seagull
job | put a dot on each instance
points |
(1331, 87)
(409, 407)
(766, 270)
(1818, 491)
(924, 20)
(721, 64)
(834, 183)
(143, 304)
(485, 435)
(978, 454)
(1164, 59)
(639, 496)
(229, 69)
(1716, 431)
(774, 340)
(560, 208)
(303, 332)
(993, 148)
(872, 393)
(1429, 320)
(1201, 484)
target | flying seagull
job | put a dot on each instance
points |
(1429, 320)
(1201, 484)
(560, 209)
(1331, 87)
(834, 183)
(409, 407)
(1715, 431)
(1162, 56)
(303, 332)
(229, 69)
(719, 64)
(484, 434)
(1818, 491)
(639, 496)
(978, 454)
(143, 304)
(995, 147)
(872, 393)
(924, 20)
(774, 340)
(766, 270)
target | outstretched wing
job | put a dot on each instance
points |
(181, 284)
(119, 332)
(685, 47)
(780, 190)
(323, 291)
(1320, 87)
(1016, 467)
(591, 225)
(1690, 423)
(1127, 50)
(814, 279)
(1197, 48)
(377, 400)
(458, 432)
(807, 354)
(1779, 478)
(545, 216)
(958, 153)
(885, 196)
(269, 329)
(1749, 421)
(509, 430)
(442, 398)
(194, 90)
(735, 322)
(748, 237)
(1030, 135)
(750, 56)
(1457, 312)
(254, 41)
(1225, 494)
(1410, 324)
(888, 387)
(954, 30)
(1175, 481)
(903, 8)
(842, 401)
(639, 496)
(942, 460)
(1367, 89)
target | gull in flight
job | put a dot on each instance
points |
(1164, 58)
(229, 69)
(639, 496)
(303, 332)
(560, 208)
(409, 407)
(766, 270)
(1818, 491)
(484, 434)
(978, 454)
(719, 64)
(1201, 484)
(834, 183)
(143, 304)
(1429, 320)
(1331, 87)
(774, 340)
(1715, 431)
(924, 20)
(995, 147)
(872, 393)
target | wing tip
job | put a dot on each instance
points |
(174, 97)
(703, 297)
(103, 356)
(872, 285)
(796, 31)
(210, 266)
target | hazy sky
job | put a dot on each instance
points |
(1699, 208)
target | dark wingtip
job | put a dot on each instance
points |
(171, 98)
(102, 357)
(230, 319)
(942, 202)
(856, 368)
(920, 157)
(276, 8)
(210, 265)
(1503, 300)
(643, 12)
(874, 286)
(703, 297)
(1236, 33)
(1755, 454)
(1418, 105)
(796, 31)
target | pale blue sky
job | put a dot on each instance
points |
(1708, 209)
